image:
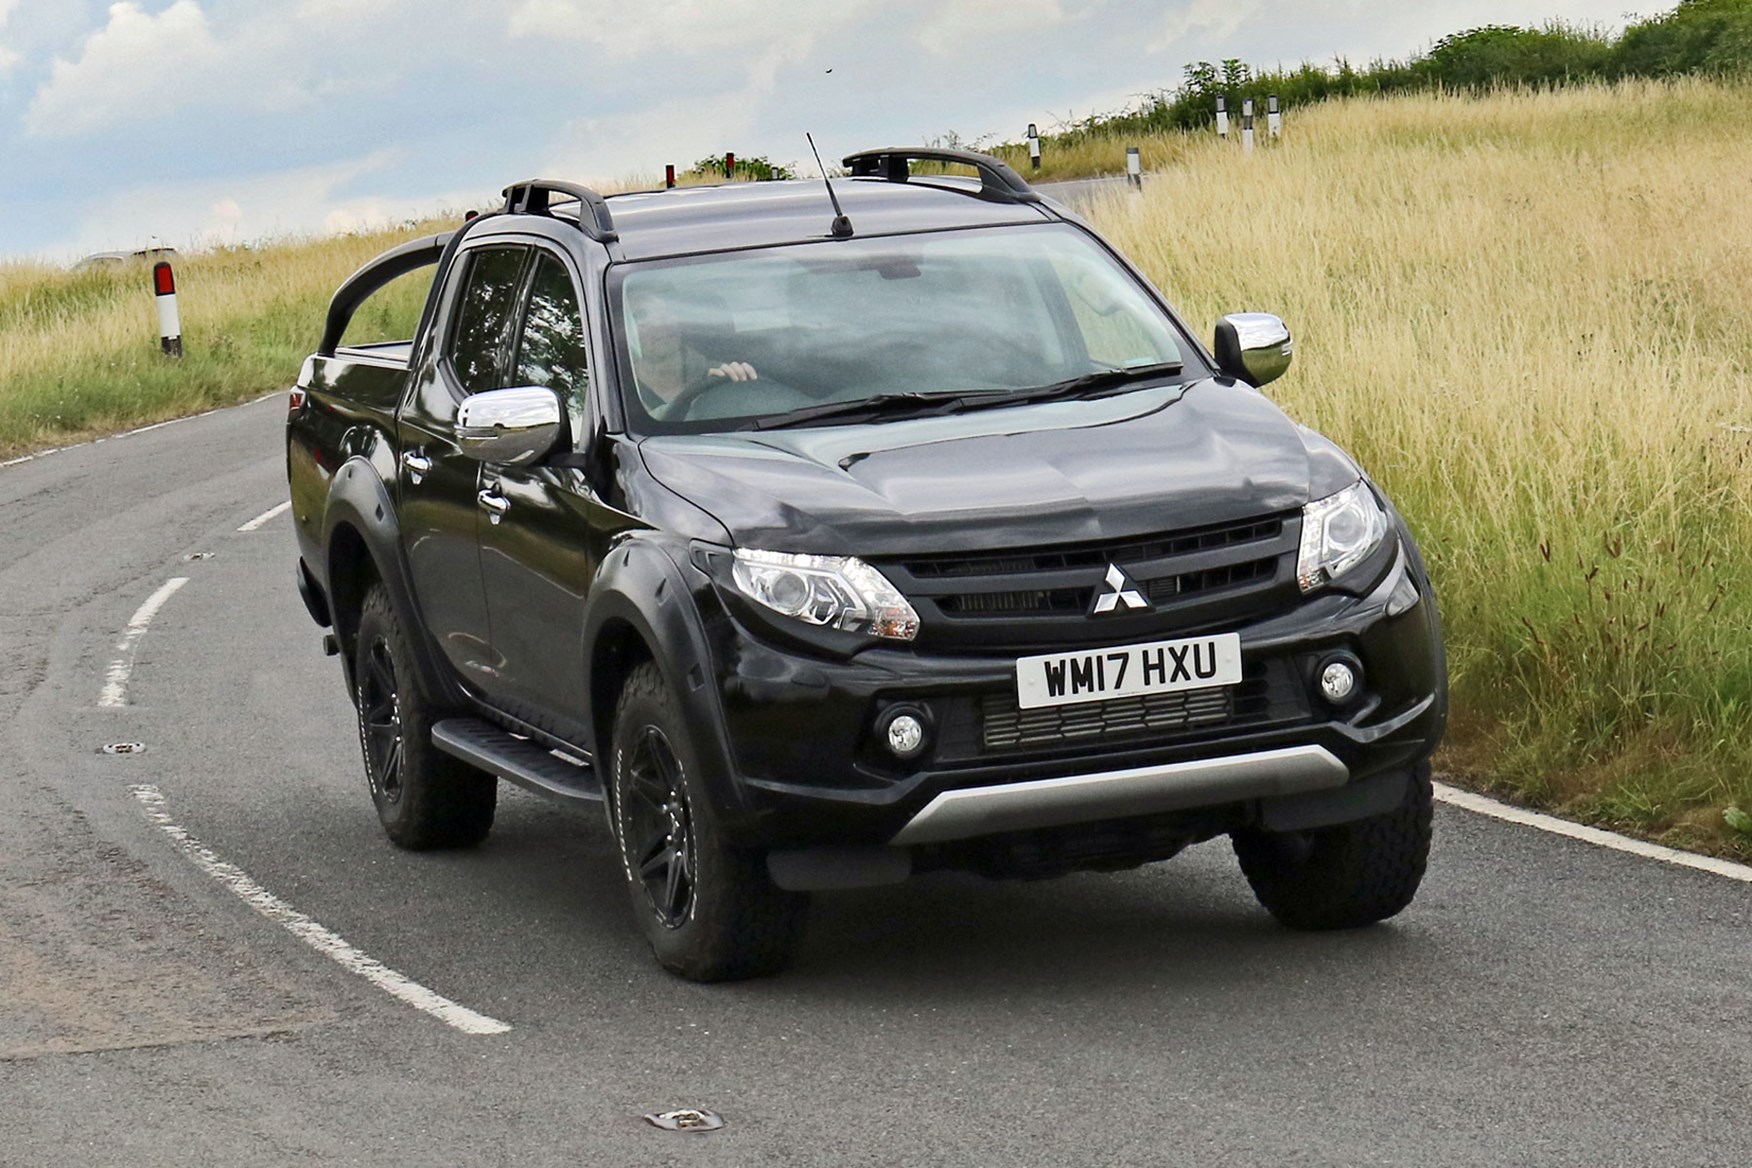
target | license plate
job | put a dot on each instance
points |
(1098, 675)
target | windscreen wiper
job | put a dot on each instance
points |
(885, 405)
(1093, 384)
(955, 400)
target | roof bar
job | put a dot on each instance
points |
(532, 197)
(398, 261)
(998, 182)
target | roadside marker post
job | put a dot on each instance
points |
(729, 167)
(169, 320)
(1274, 118)
(1033, 147)
(1247, 125)
(1223, 118)
(669, 177)
(1134, 168)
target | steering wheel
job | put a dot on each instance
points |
(682, 404)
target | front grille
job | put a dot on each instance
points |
(1020, 600)
(1097, 554)
(1075, 600)
(979, 726)
(1005, 726)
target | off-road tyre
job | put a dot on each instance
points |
(425, 799)
(1345, 876)
(708, 910)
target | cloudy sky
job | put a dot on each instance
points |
(217, 120)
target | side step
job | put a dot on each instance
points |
(517, 760)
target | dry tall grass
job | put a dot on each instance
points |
(1530, 316)
(81, 349)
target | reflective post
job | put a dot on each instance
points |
(1134, 167)
(1247, 124)
(1274, 118)
(169, 321)
(1033, 147)
(1223, 118)
(669, 176)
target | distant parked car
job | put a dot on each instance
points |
(104, 259)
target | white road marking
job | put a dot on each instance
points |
(266, 515)
(1484, 805)
(115, 682)
(33, 457)
(321, 939)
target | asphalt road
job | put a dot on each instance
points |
(1543, 1002)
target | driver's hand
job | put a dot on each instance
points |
(735, 371)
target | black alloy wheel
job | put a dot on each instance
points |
(707, 907)
(380, 722)
(424, 797)
(659, 827)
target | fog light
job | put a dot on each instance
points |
(906, 735)
(1338, 681)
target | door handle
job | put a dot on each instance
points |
(417, 464)
(495, 503)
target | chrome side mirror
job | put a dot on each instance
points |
(512, 427)
(1254, 347)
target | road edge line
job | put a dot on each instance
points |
(271, 513)
(1599, 837)
(325, 941)
(115, 681)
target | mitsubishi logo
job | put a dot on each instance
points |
(1120, 590)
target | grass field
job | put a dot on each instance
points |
(1526, 314)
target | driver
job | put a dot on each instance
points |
(667, 363)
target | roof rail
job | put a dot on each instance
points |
(531, 197)
(998, 182)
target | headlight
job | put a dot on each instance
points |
(835, 592)
(1338, 533)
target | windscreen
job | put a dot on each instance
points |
(720, 342)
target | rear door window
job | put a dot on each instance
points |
(484, 313)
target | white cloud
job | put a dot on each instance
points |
(144, 67)
(678, 27)
(252, 207)
(1210, 19)
(959, 24)
(8, 58)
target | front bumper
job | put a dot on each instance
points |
(807, 767)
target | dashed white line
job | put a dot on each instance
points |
(1484, 805)
(115, 682)
(318, 937)
(270, 513)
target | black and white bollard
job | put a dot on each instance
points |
(1274, 118)
(1223, 118)
(1033, 147)
(1134, 168)
(1247, 124)
(169, 321)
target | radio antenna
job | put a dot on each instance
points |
(842, 226)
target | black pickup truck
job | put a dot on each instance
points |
(827, 534)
